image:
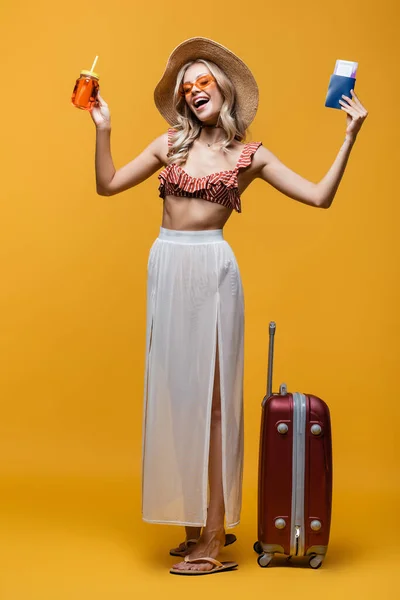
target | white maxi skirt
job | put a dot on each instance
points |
(194, 305)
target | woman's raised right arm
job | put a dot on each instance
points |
(109, 181)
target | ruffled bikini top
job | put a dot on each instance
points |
(221, 187)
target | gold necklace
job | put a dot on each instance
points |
(212, 143)
(212, 127)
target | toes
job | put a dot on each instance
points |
(202, 567)
(181, 565)
(184, 566)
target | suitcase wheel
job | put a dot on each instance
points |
(315, 561)
(265, 559)
(257, 548)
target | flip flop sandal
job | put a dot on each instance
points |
(217, 568)
(230, 538)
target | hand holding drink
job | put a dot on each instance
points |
(86, 96)
(86, 89)
(100, 114)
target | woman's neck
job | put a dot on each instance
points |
(211, 134)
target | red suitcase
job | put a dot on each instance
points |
(295, 474)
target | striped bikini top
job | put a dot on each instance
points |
(220, 187)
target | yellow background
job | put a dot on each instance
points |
(73, 269)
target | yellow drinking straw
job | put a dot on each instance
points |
(94, 64)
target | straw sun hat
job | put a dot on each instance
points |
(199, 47)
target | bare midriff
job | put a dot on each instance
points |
(193, 214)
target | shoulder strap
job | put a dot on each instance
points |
(171, 131)
(247, 154)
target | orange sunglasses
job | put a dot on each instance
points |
(201, 83)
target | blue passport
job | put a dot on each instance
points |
(338, 85)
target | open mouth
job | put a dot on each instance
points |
(200, 102)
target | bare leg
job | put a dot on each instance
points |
(213, 536)
(193, 533)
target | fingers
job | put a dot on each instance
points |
(351, 107)
(347, 105)
(356, 104)
(355, 99)
(102, 102)
(349, 110)
(362, 108)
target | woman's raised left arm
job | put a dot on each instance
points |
(320, 194)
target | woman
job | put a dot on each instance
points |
(193, 405)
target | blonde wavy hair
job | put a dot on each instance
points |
(188, 126)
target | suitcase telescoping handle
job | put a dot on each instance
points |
(272, 329)
(283, 387)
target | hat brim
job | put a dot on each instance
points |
(198, 47)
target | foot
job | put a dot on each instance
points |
(192, 535)
(209, 544)
(185, 547)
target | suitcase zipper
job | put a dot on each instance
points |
(298, 474)
(297, 536)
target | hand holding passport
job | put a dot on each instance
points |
(342, 80)
(341, 84)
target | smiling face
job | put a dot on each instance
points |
(205, 103)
